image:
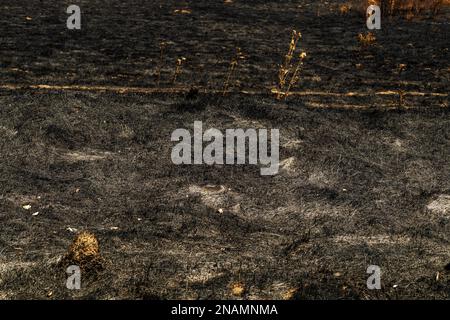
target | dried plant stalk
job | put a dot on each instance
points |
(178, 69)
(288, 73)
(232, 70)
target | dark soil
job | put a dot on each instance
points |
(364, 180)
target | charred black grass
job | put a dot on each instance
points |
(362, 182)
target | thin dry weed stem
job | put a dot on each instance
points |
(162, 47)
(232, 71)
(178, 69)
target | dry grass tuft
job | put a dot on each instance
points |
(84, 251)
(408, 8)
(237, 289)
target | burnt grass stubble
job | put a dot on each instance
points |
(353, 192)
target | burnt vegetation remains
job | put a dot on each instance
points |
(87, 178)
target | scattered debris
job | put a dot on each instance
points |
(73, 230)
(213, 188)
(236, 208)
(289, 294)
(367, 39)
(182, 11)
(344, 8)
(84, 246)
(441, 205)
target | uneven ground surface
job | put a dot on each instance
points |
(364, 180)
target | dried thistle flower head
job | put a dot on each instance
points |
(401, 67)
(296, 34)
(180, 61)
(183, 11)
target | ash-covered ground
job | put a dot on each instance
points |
(364, 178)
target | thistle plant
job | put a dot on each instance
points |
(288, 73)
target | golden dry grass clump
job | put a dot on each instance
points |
(237, 289)
(84, 250)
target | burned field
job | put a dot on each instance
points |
(85, 123)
